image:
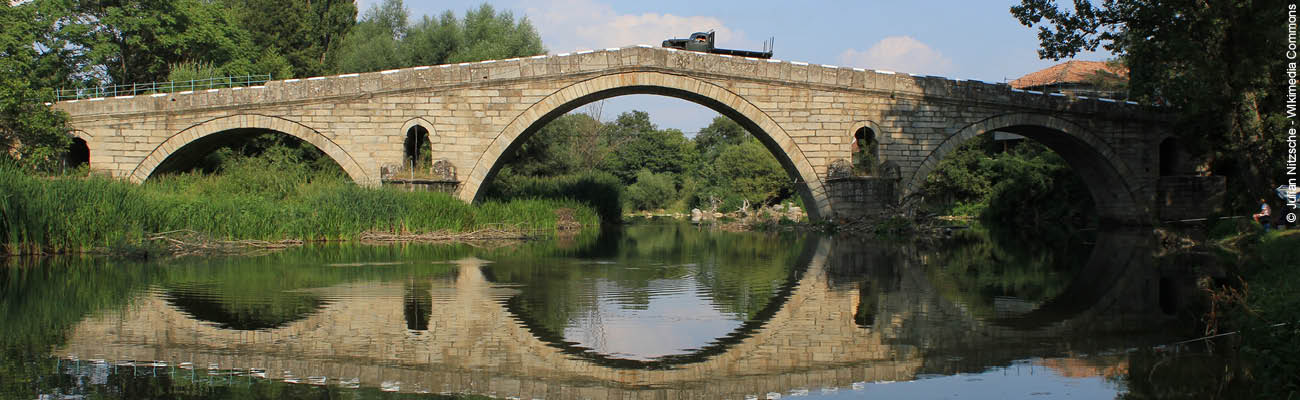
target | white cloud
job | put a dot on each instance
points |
(568, 25)
(900, 54)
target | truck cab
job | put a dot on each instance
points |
(699, 41)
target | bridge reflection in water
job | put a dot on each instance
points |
(851, 312)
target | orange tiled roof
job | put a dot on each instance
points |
(1067, 72)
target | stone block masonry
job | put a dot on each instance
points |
(476, 113)
(858, 196)
(1191, 197)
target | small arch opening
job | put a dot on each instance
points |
(866, 152)
(1170, 157)
(417, 152)
(78, 154)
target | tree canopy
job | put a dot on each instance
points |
(29, 131)
(384, 40)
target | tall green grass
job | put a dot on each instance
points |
(1269, 270)
(254, 198)
(601, 190)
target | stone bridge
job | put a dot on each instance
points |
(815, 338)
(476, 113)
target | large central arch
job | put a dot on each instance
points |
(694, 90)
(189, 135)
(1107, 177)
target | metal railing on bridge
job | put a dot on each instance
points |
(133, 89)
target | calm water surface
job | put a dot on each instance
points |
(653, 311)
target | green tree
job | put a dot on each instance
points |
(1033, 185)
(489, 35)
(329, 22)
(432, 41)
(138, 40)
(29, 131)
(384, 40)
(721, 132)
(547, 152)
(961, 177)
(748, 171)
(374, 43)
(651, 191)
(647, 147)
(1215, 63)
(301, 32)
(1025, 185)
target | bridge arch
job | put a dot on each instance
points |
(872, 140)
(715, 97)
(417, 133)
(78, 151)
(80, 134)
(1103, 172)
(178, 141)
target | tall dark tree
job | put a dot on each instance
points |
(29, 131)
(300, 31)
(329, 21)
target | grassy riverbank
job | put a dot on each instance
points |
(255, 198)
(1253, 314)
(1270, 267)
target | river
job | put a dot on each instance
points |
(649, 311)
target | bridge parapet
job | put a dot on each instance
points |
(602, 61)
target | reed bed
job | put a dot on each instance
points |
(600, 190)
(253, 200)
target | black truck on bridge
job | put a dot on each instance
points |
(703, 42)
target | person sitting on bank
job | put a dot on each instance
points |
(1264, 212)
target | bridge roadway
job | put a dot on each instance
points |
(476, 114)
(475, 345)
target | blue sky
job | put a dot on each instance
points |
(953, 38)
